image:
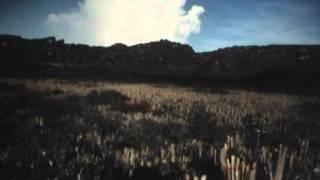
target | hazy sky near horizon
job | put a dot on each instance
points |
(204, 24)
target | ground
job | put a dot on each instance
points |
(60, 128)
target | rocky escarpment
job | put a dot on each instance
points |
(48, 57)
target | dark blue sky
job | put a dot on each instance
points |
(224, 23)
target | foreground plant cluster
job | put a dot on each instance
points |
(53, 129)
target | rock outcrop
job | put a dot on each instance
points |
(274, 64)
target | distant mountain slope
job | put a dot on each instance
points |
(254, 64)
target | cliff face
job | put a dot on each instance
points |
(272, 63)
(51, 57)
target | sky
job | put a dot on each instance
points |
(204, 24)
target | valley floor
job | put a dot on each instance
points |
(95, 130)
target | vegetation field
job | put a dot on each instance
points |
(62, 129)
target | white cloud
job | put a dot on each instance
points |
(105, 22)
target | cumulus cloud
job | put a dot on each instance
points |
(105, 22)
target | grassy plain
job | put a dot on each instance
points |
(94, 129)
